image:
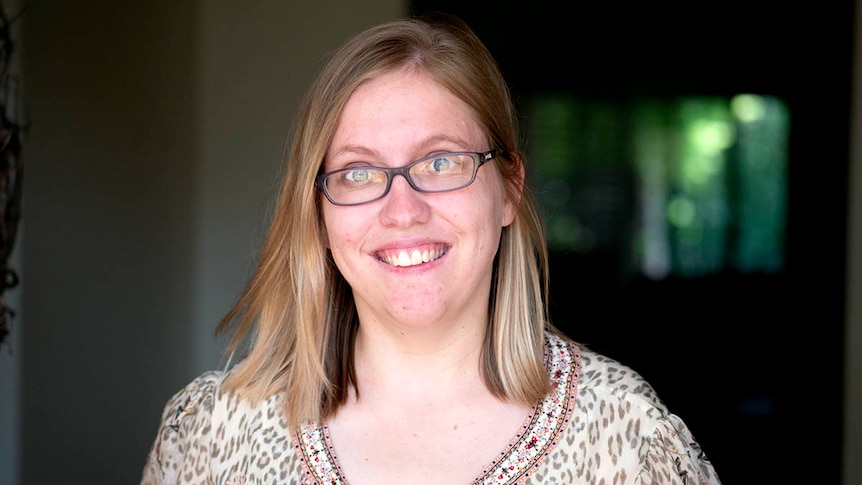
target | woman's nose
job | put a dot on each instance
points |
(403, 205)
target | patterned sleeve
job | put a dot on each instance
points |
(180, 452)
(673, 456)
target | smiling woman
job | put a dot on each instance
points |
(398, 321)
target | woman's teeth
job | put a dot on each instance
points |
(403, 258)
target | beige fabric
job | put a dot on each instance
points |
(603, 424)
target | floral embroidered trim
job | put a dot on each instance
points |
(546, 423)
(541, 430)
(315, 454)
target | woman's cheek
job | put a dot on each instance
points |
(342, 237)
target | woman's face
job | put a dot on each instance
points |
(390, 121)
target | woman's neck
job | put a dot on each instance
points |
(423, 360)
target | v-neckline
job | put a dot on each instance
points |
(524, 453)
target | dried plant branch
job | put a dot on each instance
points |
(11, 166)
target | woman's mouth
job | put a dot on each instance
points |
(411, 257)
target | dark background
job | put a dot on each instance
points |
(752, 362)
(156, 132)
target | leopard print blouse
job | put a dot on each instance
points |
(602, 424)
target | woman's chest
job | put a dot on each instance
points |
(421, 445)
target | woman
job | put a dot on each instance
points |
(397, 320)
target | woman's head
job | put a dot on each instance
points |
(417, 250)
(442, 47)
(305, 310)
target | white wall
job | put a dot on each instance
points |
(156, 132)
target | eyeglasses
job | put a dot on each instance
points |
(442, 172)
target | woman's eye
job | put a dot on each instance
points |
(441, 165)
(358, 176)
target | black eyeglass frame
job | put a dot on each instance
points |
(479, 157)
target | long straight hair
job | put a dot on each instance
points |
(298, 311)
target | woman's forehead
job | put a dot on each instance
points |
(405, 109)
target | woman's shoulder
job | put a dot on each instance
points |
(196, 396)
(206, 394)
(204, 385)
(614, 403)
(606, 378)
(184, 432)
(201, 418)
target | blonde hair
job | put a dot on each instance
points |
(298, 307)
